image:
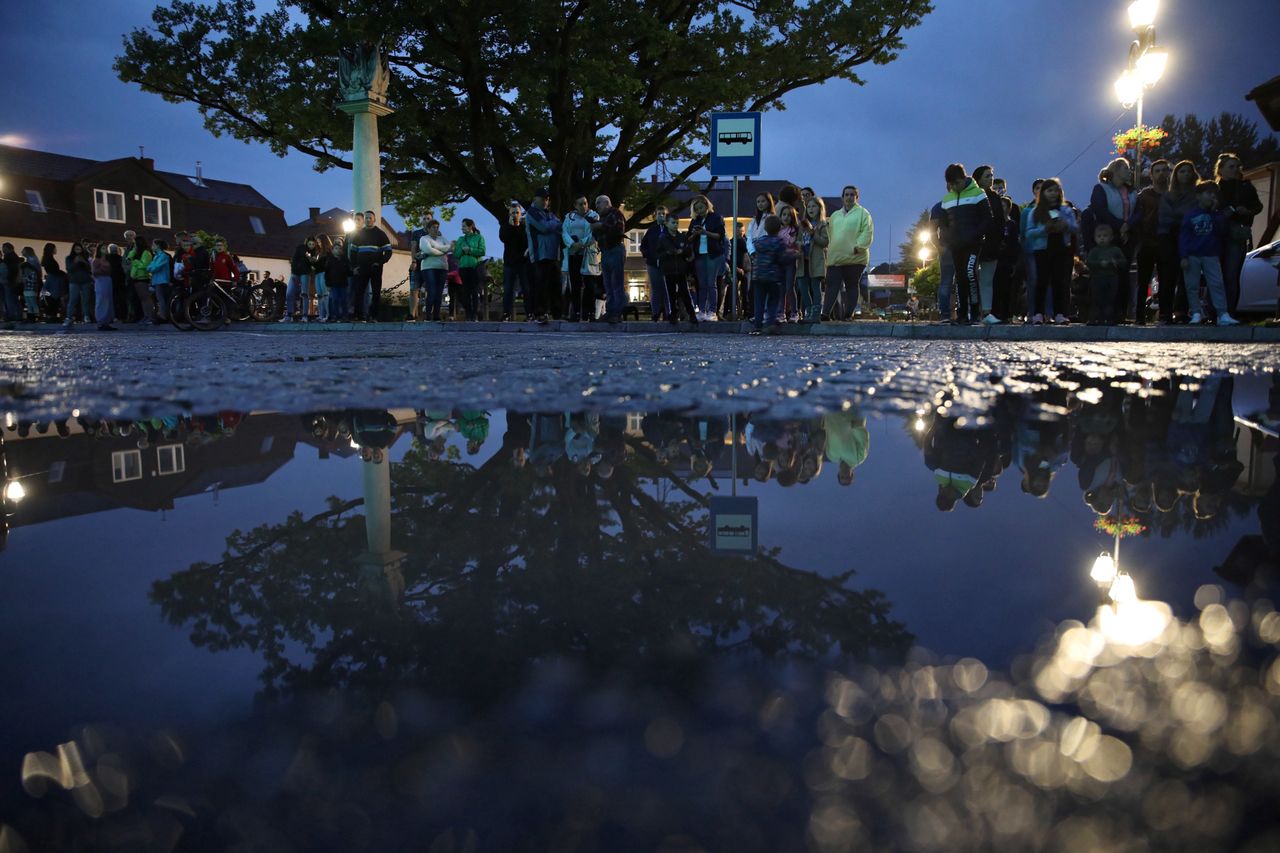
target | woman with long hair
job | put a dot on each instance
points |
(104, 307)
(32, 279)
(1049, 236)
(755, 230)
(324, 248)
(1239, 202)
(790, 236)
(706, 237)
(1112, 203)
(812, 268)
(55, 282)
(1174, 207)
(79, 284)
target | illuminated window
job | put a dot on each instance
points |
(35, 201)
(633, 242)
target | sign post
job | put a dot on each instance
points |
(734, 525)
(735, 150)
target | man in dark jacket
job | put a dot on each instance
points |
(611, 231)
(543, 229)
(968, 215)
(517, 269)
(368, 248)
(10, 280)
(659, 304)
(983, 176)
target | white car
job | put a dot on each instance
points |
(1260, 280)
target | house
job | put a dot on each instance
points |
(53, 198)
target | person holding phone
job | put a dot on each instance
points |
(1049, 235)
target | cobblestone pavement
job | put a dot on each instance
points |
(45, 376)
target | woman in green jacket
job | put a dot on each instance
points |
(469, 250)
(137, 264)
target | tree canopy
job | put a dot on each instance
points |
(1192, 138)
(492, 102)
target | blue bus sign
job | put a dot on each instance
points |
(735, 144)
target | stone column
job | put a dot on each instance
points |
(366, 172)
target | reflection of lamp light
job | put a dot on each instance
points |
(1142, 13)
(354, 446)
(1104, 569)
(1151, 66)
(14, 491)
(1122, 589)
(1128, 88)
(919, 424)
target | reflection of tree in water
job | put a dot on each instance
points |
(506, 565)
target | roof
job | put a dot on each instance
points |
(217, 192)
(42, 164)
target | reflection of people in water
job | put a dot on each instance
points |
(847, 442)
(955, 458)
(1040, 440)
(1095, 448)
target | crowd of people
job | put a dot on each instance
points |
(1050, 261)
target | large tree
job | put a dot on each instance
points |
(1192, 138)
(494, 99)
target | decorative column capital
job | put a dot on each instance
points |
(355, 106)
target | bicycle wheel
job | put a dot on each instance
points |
(205, 310)
(178, 313)
(262, 304)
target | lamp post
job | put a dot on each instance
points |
(1145, 66)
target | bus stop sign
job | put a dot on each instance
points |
(735, 144)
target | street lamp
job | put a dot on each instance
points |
(1144, 69)
(348, 225)
(924, 254)
(14, 491)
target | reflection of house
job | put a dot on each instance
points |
(81, 473)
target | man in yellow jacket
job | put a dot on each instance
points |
(851, 231)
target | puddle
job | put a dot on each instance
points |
(1043, 620)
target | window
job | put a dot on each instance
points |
(126, 465)
(633, 242)
(265, 447)
(256, 224)
(108, 206)
(170, 459)
(57, 470)
(35, 201)
(155, 212)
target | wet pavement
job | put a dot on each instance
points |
(50, 375)
(545, 592)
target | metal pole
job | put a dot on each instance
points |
(733, 270)
(1137, 152)
(733, 436)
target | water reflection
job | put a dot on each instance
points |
(515, 633)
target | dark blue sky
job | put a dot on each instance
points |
(1023, 85)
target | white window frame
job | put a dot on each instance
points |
(120, 460)
(102, 210)
(35, 202)
(634, 237)
(255, 222)
(162, 207)
(176, 461)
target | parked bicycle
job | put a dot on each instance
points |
(223, 301)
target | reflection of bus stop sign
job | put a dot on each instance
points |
(735, 144)
(734, 523)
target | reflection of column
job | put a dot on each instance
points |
(366, 169)
(381, 565)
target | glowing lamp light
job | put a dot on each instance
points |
(919, 424)
(1151, 66)
(1104, 569)
(1142, 13)
(924, 254)
(1128, 89)
(1122, 589)
(14, 492)
(348, 225)
(923, 238)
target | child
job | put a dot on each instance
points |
(1106, 262)
(771, 258)
(1200, 246)
(671, 248)
(790, 236)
